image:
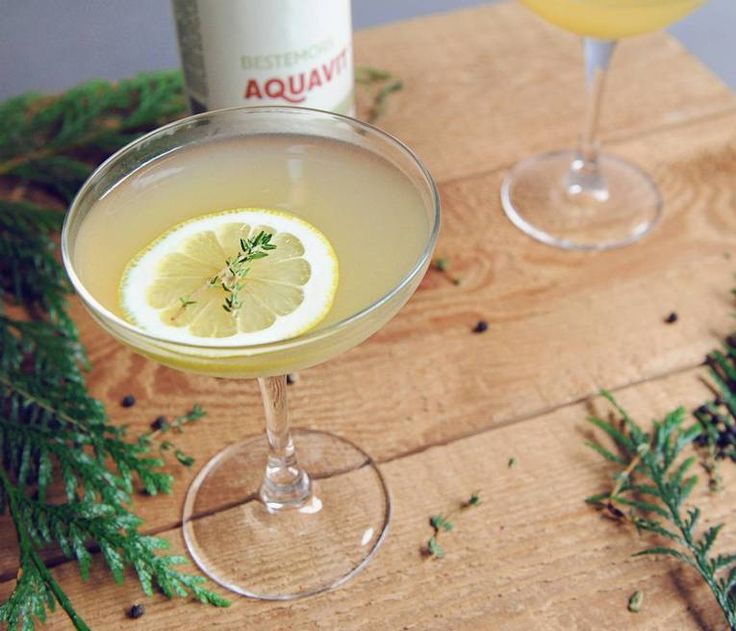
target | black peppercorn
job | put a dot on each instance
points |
(128, 401)
(671, 318)
(159, 423)
(480, 327)
(136, 611)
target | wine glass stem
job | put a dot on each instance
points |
(285, 485)
(584, 177)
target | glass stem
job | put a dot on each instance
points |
(285, 485)
(584, 177)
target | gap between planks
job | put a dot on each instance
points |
(609, 141)
(59, 560)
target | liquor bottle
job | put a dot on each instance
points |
(266, 52)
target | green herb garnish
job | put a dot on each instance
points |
(51, 429)
(369, 76)
(635, 601)
(238, 267)
(231, 278)
(443, 523)
(380, 101)
(163, 426)
(653, 484)
(442, 265)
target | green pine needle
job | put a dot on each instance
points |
(53, 434)
(655, 467)
(51, 430)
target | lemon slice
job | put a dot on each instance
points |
(284, 294)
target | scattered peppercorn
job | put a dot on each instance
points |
(128, 401)
(292, 378)
(614, 512)
(671, 318)
(159, 423)
(480, 327)
(136, 611)
(718, 430)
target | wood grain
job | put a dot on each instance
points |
(559, 328)
(444, 408)
(531, 556)
(488, 86)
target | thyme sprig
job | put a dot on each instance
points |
(177, 425)
(387, 84)
(443, 265)
(231, 278)
(653, 485)
(444, 523)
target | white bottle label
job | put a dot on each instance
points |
(267, 52)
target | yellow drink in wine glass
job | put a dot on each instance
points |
(582, 199)
(612, 19)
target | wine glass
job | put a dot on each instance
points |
(258, 519)
(582, 199)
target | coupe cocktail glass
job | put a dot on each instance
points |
(581, 199)
(258, 519)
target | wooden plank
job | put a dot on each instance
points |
(562, 325)
(490, 85)
(532, 556)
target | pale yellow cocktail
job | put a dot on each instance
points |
(612, 19)
(254, 242)
(371, 214)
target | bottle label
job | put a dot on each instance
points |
(267, 52)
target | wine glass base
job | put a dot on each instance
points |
(537, 197)
(295, 552)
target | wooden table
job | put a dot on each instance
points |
(443, 409)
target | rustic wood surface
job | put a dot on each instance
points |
(443, 409)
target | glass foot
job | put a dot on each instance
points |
(546, 197)
(295, 552)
